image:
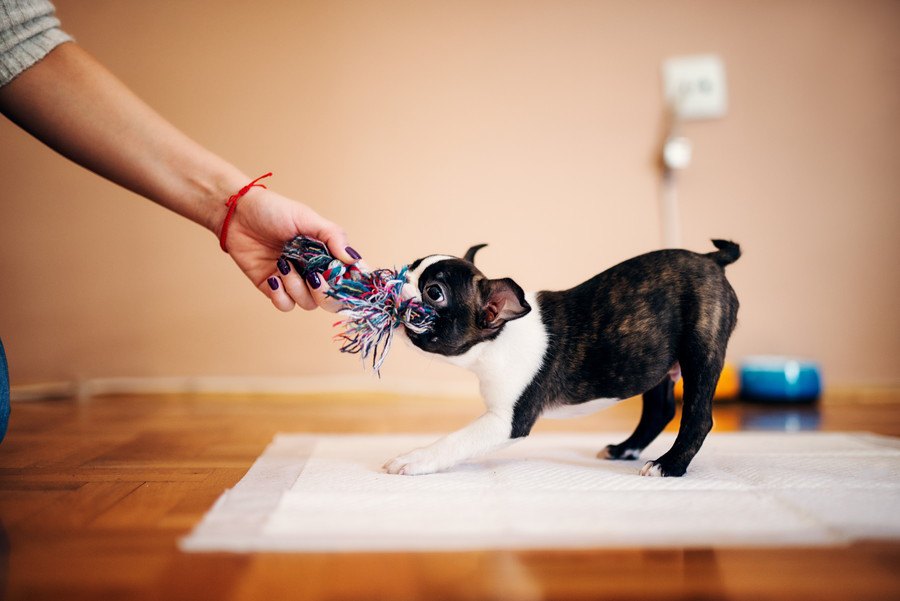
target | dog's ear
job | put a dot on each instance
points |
(470, 254)
(501, 301)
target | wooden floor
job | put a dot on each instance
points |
(94, 495)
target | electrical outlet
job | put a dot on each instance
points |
(694, 86)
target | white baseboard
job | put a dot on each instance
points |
(87, 388)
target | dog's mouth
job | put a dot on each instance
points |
(428, 342)
(420, 340)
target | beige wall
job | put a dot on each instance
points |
(428, 126)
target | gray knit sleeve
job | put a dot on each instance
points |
(29, 30)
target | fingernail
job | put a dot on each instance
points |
(273, 283)
(356, 256)
(283, 266)
(313, 278)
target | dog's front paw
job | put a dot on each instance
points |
(659, 469)
(415, 463)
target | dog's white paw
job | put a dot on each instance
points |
(415, 463)
(653, 469)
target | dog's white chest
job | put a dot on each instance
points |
(567, 411)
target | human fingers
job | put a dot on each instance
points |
(295, 286)
(274, 289)
(310, 290)
(318, 289)
(334, 238)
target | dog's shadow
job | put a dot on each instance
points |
(578, 459)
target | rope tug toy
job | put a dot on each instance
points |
(372, 303)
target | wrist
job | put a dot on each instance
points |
(231, 207)
(212, 194)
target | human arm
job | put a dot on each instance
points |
(74, 105)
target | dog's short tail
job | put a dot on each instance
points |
(728, 252)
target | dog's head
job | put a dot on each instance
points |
(469, 307)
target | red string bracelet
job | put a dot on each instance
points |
(232, 205)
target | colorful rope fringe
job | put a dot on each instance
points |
(372, 302)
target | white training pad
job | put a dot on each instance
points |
(328, 493)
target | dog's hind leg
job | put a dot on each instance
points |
(701, 356)
(701, 360)
(657, 411)
(700, 381)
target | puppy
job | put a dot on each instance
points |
(633, 329)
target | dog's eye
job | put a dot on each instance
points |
(434, 293)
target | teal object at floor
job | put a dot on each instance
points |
(4, 393)
(780, 380)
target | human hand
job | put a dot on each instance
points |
(263, 222)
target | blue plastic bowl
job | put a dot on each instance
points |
(780, 379)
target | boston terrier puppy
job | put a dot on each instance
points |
(633, 329)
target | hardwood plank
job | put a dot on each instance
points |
(50, 566)
(76, 509)
(20, 503)
(144, 507)
(75, 477)
(185, 513)
(38, 452)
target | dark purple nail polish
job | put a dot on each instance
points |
(283, 266)
(313, 278)
(356, 256)
(273, 283)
